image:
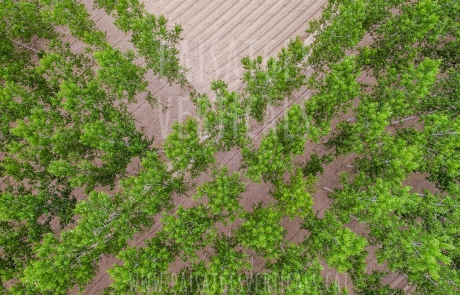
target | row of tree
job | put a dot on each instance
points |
(64, 127)
(405, 122)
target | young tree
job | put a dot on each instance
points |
(262, 231)
(297, 272)
(22, 20)
(294, 198)
(370, 284)
(338, 245)
(150, 35)
(225, 120)
(440, 143)
(336, 90)
(268, 162)
(20, 230)
(65, 125)
(315, 165)
(277, 147)
(73, 15)
(185, 151)
(282, 76)
(332, 40)
(190, 231)
(105, 225)
(223, 193)
(292, 130)
(151, 189)
(70, 260)
(125, 79)
(411, 240)
(399, 37)
(143, 270)
(226, 270)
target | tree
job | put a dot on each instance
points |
(183, 148)
(223, 193)
(268, 162)
(412, 82)
(64, 129)
(225, 272)
(297, 272)
(262, 231)
(292, 130)
(282, 76)
(277, 147)
(143, 269)
(294, 198)
(225, 120)
(119, 71)
(150, 35)
(367, 284)
(73, 15)
(407, 244)
(335, 93)
(70, 260)
(339, 246)
(20, 230)
(331, 40)
(190, 231)
(315, 165)
(440, 143)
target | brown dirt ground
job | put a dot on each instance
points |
(216, 35)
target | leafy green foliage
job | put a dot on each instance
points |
(73, 15)
(335, 92)
(225, 272)
(315, 165)
(120, 73)
(104, 227)
(150, 190)
(21, 20)
(20, 230)
(150, 35)
(396, 37)
(223, 193)
(294, 198)
(277, 147)
(190, 231)
(282, 76)
(331, 38)
(268, 162)
(142, 269)
(370, 284)
(338, 245)
(295, 272)
(225, 120)
(441, 144)
(70, 260)
(184, 149)
(262, 231)
(412, 240)
(292, 130)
